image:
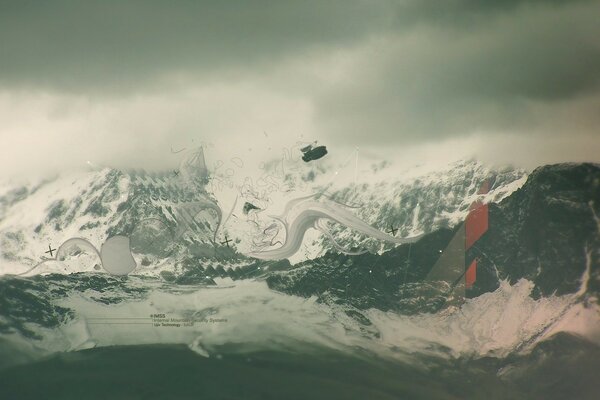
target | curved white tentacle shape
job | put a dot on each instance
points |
(301, 214)
(115, 256)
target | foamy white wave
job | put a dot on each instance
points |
(493, 324)
(248, 313)
(245, 312)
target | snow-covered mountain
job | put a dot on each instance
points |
(174, 212)
(547, 232)
(538, 271)
(419, 201)
(95, 205)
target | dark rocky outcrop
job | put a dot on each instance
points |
(546, 232)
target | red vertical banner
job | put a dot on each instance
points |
(471, 275)
(476, 224)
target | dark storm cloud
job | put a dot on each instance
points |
(71, 44)
(488, 74)
(460, 12)
(124, 44)
(420, 69)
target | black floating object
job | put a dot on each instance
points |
(314, 153)
(248, 207)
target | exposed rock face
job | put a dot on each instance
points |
(546, 232)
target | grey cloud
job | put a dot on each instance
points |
(438, 82)
(462, 13)
(77, 44)
(421, 69)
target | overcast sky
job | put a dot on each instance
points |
(120, 83)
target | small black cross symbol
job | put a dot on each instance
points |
(226, 241)
(50, 250)
(392, 230)
(176, 173)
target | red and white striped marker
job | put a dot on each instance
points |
(476, 225)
